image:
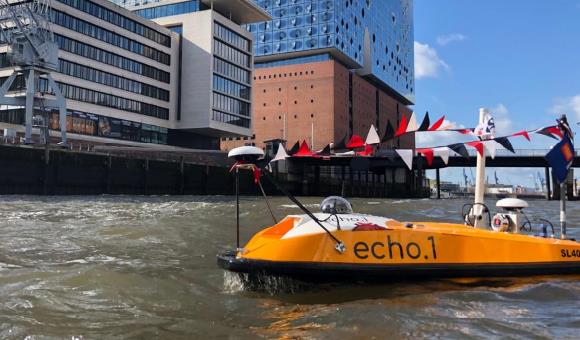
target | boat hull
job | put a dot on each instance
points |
(400, 251)
(324, 271)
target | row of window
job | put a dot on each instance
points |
(229, 104)
(227, 118)
(119, 20)
(169, 10)
(91, 30)
(231, 71)
(298, 6)
(231, 54)
(232, 88)
(295, 61)
(280, 75)
(231, 37)
(94, 97)
(106, 57)
(95, 125)
(109, 79)
(104, 99)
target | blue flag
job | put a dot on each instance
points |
(560, 158)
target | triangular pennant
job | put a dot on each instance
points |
(490, 147)
(340, 145)
(446, 126)
(478, 146)
(555, 131)
(324, 152)
(442, 152)
(294, 149)
(523, 133)
(459, 149)
(402, 126)
(280, 154)
(546, 133)
(437, 124)
(428, 153)
(505, 142)
(368, 151)
(412, 125)
(355, 142)
(407, 157)
(373, 136)
(465, 131)
(389, 132)
(304, 151)
(425, 124)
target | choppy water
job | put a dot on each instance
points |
(144, 267)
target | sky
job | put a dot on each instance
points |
(519, 58)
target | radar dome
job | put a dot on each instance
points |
(335, 205)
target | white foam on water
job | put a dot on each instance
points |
(272, 285)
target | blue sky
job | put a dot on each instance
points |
(520, 58)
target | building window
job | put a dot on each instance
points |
(109, 79)
(169, 10)
(99, 33)
(115, 18)
(106, 57)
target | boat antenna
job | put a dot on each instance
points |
(267, 202)
(340, 247)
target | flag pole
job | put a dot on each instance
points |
(480, 179)
(563, 188)
(566, 131)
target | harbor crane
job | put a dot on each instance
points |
(32, 50)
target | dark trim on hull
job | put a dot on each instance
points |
(316, 271)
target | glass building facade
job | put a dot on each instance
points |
(171, 9)
(374, 34)
(232, 59)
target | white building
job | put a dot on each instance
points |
(128, 79)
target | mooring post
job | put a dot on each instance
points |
(108, 171)
(438, 183)
(47, 171)
(181, 175)
(146, 177)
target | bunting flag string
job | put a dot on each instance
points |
(365, 147)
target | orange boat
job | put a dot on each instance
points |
(338, 244)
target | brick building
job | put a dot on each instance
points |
(311, 102)
(327, 68)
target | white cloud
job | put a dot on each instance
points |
(503, 122)
(449, 38)
(569, 105)
(427, 62)
(442, 138)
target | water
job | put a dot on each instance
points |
(144, 267)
